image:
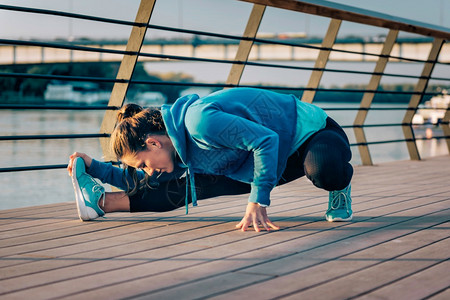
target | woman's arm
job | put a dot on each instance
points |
(217, 129)
(236, 132)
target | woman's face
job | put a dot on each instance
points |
(157, 157)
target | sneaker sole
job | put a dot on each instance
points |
(81, 207)
(339, 219)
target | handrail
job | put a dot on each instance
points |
(357, 15)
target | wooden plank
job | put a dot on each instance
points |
(157, 276)
(442, 295)
(19, 214)
(329, 244)
(49, 217)
(157, 239)
(142, 269)
(205, 288)
(357, 283)
(190, 251)
(43, 225)
(320, 268)
(100, 243)
(432, 279)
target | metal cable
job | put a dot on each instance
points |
(69, 15)
(53, 136)
(63, 166)
(199, 59)
(197, 84)
(399, 141)
(58, 107)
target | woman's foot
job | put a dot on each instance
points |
(340, 205)
(87, 192)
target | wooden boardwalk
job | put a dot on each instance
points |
(397, 246)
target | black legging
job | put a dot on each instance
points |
(323, 158)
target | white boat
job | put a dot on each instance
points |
(433, 111)
(75, 92)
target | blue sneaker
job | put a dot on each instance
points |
(340, 205)
(87, 192)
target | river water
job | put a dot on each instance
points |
(28, 188)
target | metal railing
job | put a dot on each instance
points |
(336, 13)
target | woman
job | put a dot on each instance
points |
(248, 135)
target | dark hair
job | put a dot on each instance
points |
(134, 124)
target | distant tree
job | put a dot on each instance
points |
(11, 84)
(172, 92)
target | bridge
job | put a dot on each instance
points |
(396, 247)
(271, 47)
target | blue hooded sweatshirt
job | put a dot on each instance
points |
(246, 134)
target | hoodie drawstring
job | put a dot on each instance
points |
(190, 182)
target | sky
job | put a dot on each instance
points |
(221, 16)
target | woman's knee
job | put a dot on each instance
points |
(327, 164)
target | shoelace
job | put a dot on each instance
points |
(339, 202)
(98, 188)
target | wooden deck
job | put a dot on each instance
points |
(397, 247)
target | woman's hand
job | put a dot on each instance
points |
(256, 215)
(87, 160)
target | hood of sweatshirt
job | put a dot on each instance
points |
(174, 116)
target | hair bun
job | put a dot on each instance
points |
(128, 111)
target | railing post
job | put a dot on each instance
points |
(420, 88)
(446, 127)
(321, 61)
(245, 46)
(367, 99)
(125, 72)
